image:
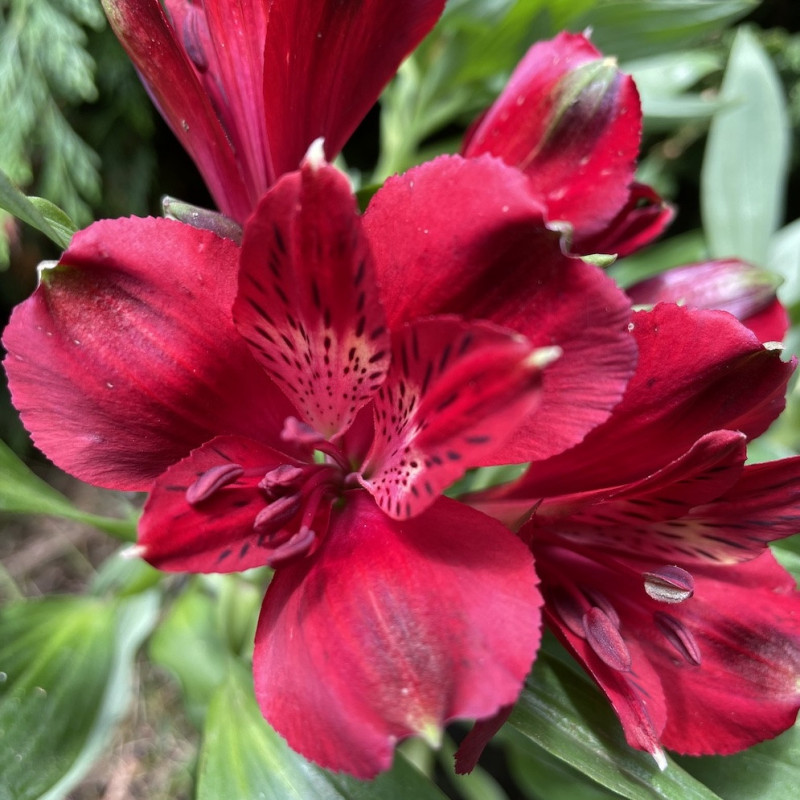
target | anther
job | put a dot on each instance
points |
(211, 481)
(601, 601)
(679, 636)
(301, 432)
(669, 584)
(297, 545)
(606, 640)
(276, 513)
(282, 477)
(569, 608)
(191, 39)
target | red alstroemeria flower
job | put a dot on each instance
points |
(744, 290)
(158, 356)
(247, 86)
(571, 121)
(650, 543)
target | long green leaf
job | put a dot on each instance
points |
(564, 713)
(743, 178)
(66, 682)
(636, 28)
(767, 771)
(242, 758)
(22, 492)
(42, 215)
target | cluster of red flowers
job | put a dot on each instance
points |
(296, 384)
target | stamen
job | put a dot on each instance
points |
(601, 601)
(297, 545)
(669, 584)
(277, 513)
(569, 608)
(301, 432)
(606, 640)
(679, 636)
(191, 39)
(283, 477)
(211, 481)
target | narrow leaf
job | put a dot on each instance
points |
(42, 215)
(769, 771)
(635, 28)
(243, 758)
(743, 179)
(22, 492)
(562, 712)
(65, 684)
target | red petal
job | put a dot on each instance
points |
(643, 218)
(679, 514)
(505, 266)
(392, 630)
(125, 358)
(229, 38)
(308, 304)
(216, 534)
(572, 122)
(762, 506)
(730, 285)
(473, 744)
(745, 620)
(698, 371)
(159, 54)
(456, 392)
(326, 63)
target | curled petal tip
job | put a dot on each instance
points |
(134, 551)
(543, 356)
(315, 155)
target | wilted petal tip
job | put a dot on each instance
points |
(773, 346)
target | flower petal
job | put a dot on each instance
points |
(643, 218)
(730, 285)
(571, 121)
(125, 358)
(655, 517)
(698, 371)
(456, 392)
(215, 534)
(159, 54)
(392, 629)
(307, 303)
(325, 65)
(505, 266)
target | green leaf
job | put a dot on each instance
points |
(784, 258)
(57, 217)
(66, 682)
(631, 29)
(673, 252)
(767, 771)
(190, 645)
(242, 758)
(562, 712)
(44, 219)
(743, 179)
(22, 492)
